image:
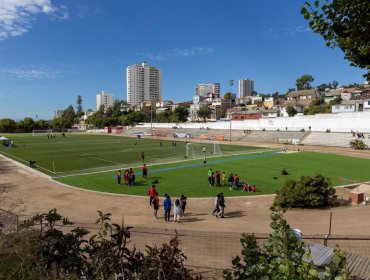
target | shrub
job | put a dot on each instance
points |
(281, 256)
(40, 250)
(358, 144)
(307, 192)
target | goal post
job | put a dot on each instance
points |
(41, 132)
(199, 150)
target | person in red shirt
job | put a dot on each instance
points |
(246, 187)
(156, 205)
(151, 193)
(125, 176)
(254, 189)
(144, 170)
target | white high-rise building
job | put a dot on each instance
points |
(105, 99)
(246, 88)
(144, 83)
(204, 89)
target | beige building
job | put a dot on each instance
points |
(144, 82)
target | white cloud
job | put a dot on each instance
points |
(16, 16)
(28, 73)
(179, 53)
(292, 31)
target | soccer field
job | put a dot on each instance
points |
(91, 162)
(77, 153)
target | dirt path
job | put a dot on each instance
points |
(28, 192)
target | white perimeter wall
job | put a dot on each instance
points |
(343, 122)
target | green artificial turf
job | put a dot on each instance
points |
(263, 170)
(76, 155)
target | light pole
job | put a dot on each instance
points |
(151, 120)
(231, 83)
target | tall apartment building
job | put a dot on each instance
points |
(58, 113)
(143, 83)
(204, 89)
(105, 99)
(246, 88)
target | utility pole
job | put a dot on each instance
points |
(231, 83)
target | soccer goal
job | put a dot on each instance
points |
(41, 132)
(200, 150)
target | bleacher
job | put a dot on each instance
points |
(332, 139)
(282, 137)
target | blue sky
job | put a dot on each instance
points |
(51, 51)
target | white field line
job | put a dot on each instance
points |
(162, 163)
(103, 159)
(21, 159)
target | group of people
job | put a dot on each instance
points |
(128, 176)
(359, 135)
(217, 178)
(178, 207)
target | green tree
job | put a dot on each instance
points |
(28, 124)
(228, 95)
(79, 111)
(291, 111)
(344, 24)
(116, 108)
(281, 256)
(181, 114)
(69, 114)
(60, 123)
(307, 192)
(41, 124)
(204, 112)
(335, 101)
(164, 117)
(7, 125)
(304, 82)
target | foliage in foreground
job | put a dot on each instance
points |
(307, 192)
(358, 144)
(40, 250)
(281, 256)
(344, 24)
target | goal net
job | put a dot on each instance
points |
(41, 132)
(201, 150)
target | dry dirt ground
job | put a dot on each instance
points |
(209, 242)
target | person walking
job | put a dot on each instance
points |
(216, 205)
(151, 193)
(183, 199)
(221, 206)
(142, 156)
(177, 211)
(167, 207)
(156, 205)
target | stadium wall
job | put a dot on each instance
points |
(343, 122)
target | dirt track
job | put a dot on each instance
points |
(28, 192)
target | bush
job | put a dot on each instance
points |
(40, 250)
(307, 192)
(281, 256)
(358, 144)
